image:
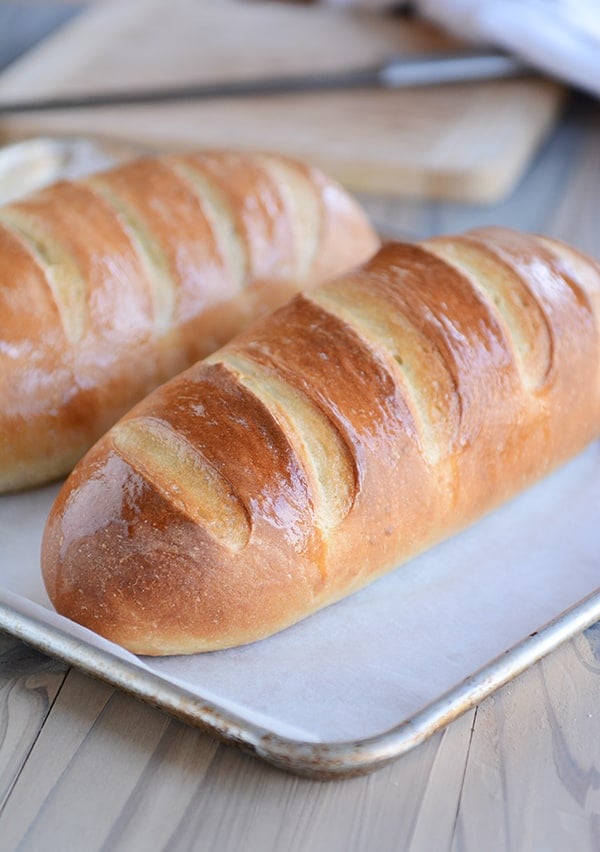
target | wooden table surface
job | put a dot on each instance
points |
(86, 767)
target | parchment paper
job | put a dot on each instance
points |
(373, 660)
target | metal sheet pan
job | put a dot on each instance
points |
(325, 758)
(313, 760)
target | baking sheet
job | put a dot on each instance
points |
(359, 683)
(368, 663)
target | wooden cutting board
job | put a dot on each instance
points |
(468, 142)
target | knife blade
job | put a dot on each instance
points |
(396, 72)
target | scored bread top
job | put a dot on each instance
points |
(357, 425)
(111, 284)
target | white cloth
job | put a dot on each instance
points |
(559, 37)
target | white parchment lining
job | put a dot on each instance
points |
(375, 659)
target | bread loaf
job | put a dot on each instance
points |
(112, 284)
(359, 424)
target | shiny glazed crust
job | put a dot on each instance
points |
(357, 425)
(113, 284)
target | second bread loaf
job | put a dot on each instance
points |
(111, 284)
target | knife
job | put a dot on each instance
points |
(396, 72)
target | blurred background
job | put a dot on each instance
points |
(423, 158)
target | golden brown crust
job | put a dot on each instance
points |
(442, 378)
(112, 284)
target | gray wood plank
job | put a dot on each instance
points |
(533, 774)
(264, 810)
(113, 774)
(109, 773)
(53, 788)
(29, 683)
